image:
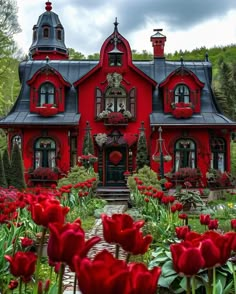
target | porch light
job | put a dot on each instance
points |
(159, 155)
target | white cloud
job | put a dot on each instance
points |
(87, 29)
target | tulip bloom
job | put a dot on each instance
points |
(233, 224)
(187, 259)
(213, 224)
(106, 274)
(48, 211)
(103, 274)
(182, 231)
(204, 219)
(22, 264)
(143, 280)
(122, 230)
(66, 241)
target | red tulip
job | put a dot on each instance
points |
(48, 211)
(143, 280)
(168, 185)
(13, 284)
(25, 242)
(104, 274)
(121, 229)
(184, 252)
(182, 231)
(204, 219)
(22, 264)
(66, 241)
(213, 224)
(233, 224)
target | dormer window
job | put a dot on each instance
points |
(46, 94)
(182, 94)
(46, 32)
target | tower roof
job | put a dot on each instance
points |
(48, 34)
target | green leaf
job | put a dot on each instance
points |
(219, 288)
(166, 281)
(53, 289)
(229, 288)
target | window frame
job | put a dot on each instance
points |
(42, 153)
(184, 96)
(218, 153)
(46, 99)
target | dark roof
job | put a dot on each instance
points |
(158, 70)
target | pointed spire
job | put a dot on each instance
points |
(116, 25)
(48, 6)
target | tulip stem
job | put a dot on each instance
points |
(234, 278)
(38, 264)
(117, 251)
(214, 281)
(193, 285)
(60, 281)
(188, 285)
(128, 257)
(20, 286)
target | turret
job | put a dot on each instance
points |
(48, 37)
(158, 43)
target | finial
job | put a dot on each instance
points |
(182, 60)
(116, 24)
(206, 57)
(48, 6)
(47, 59)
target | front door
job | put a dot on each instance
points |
(115, 158)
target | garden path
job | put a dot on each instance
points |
(96, 231)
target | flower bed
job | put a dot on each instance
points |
(182, 112)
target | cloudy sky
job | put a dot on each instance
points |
(187, 24)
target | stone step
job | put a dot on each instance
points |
(113, 193)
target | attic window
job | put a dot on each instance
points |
(46, 32)
(46, 94)
(115, 59)
(182, 94)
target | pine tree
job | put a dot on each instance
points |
(17, 169)
(142, 150)
(3, 182)
(7, 166)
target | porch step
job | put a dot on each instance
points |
(113, 194)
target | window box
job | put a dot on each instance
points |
(115, 118)
(182, 112)
(47, 110)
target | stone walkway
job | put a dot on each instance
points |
(96, 231)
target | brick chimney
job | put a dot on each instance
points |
(158, 43)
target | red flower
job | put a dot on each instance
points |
(233, 224)
(143, 280)
(168, 185)
(121, 229)
(213, 224)
(182, 231)
(13, 284)
(25, 242)
(183, 216)
(104, 274)
(182, 253)
(66, 241)
(204, 219)
(22, 264)
(48, 211)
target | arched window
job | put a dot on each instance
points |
(46, 94)
(45, 153)
(46, 32)
(185, 154)
(182, 94)
(218, 150)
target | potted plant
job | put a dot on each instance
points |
(189, 198)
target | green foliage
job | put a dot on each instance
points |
(17, 169)
(76, 175)
(88, 147)
(3, 182)
(7, 166)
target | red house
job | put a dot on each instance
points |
(61, 99)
